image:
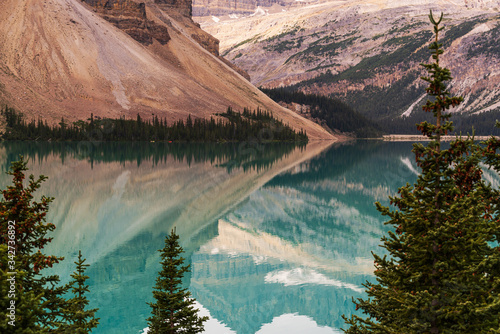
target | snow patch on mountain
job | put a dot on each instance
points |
(259, 11)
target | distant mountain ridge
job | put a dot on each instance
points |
(225, 7)
(242, 7)
(368, 53)
(120, 58)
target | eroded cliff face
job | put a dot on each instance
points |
(184, 7)
(130, 17)
(239, 7)
(210, 43)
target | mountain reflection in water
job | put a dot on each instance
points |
(275, 234)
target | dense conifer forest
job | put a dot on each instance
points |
(339, 115)
(336, 114)
(230, 126)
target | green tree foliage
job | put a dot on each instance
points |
(443, 270)
(40, 298)
(30, 302)
(78, 319)
(230, 126)
(19, 311)
(173, 312)
(333, 112)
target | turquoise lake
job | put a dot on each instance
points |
(279, 237)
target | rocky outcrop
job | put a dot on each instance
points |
(191, 29)
(130, 17)
(184, 7)
(209, 42)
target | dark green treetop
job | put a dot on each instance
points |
(173, 311)
(442, 274)
(78, 319)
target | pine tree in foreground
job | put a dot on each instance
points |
(78, 319)
(36, 298)
(30, 302)
(173, 312)
(442, 274)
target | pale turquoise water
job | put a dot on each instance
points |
(278, 237)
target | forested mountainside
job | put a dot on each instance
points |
(119, 58)
(368, 53)
(332, 114)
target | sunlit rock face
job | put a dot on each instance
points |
(131, 17)
(184, 7)
(227, 7)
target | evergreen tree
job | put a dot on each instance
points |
(31, 302)
(19, 312)
(173, 312)
(443, 270)
(236, 127)
(38, 298)
(78, 319)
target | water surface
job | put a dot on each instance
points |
(279, 237)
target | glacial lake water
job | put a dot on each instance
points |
(279, 237)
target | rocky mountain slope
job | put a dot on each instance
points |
(118, 58)
(367, 53)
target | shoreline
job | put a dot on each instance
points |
(394, 137)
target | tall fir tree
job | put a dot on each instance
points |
(442, 274)
(39, 298)
(173, 312)
(79, 320)
(30, 302)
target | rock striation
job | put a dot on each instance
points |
(239, 7)
(130, 17)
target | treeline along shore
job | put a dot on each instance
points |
(229, 126)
